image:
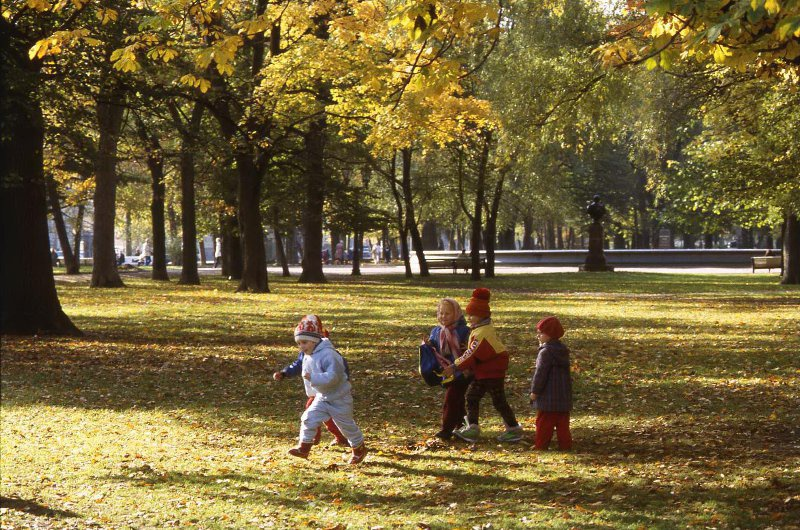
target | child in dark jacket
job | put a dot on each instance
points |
(551, 386)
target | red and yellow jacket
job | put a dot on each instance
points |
(486, 356)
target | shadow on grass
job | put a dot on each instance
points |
(34, 508)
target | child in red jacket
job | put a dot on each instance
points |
(486, 357)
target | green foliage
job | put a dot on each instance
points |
(165, 414)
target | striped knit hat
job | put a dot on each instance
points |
(309, 328)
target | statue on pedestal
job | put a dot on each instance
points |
(596, 260)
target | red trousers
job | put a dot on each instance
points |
(546, 423)
(330, 425)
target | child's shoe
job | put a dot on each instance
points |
(339, 442)
(302, 450)
(469, 432)
(359, 454)
(444, 435)
(512, 434)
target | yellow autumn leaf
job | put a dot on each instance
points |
(772, 6)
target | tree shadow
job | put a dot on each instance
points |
(34, 508)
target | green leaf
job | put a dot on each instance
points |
(713, 32)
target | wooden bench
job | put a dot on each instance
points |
(460, 262)
(766, 262)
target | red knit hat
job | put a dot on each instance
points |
(478, 305)
(551, 327)
(310, 328)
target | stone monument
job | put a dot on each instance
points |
(596, 259)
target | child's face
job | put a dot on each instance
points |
(474, 320)
(543, 337)
(306, 346)
(445, 314)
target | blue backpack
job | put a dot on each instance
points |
(429, 367)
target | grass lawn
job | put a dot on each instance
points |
(687, 408)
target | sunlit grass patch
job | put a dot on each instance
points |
(687, 392)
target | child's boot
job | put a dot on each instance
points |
(359, 453)
(341, 442)
(302, 450)
(317, 437)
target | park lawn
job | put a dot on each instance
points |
(687, 408)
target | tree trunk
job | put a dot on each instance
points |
(477, 218)
(315, 201)
(281, 253)
(791, 249)
(279, 248)
(491, 224)
(401, 224)
(708, 241)
(29, 302)
(232, 263)
(254, 272)
(527, 233)
(128, 232)
(411, 223)
(560, 237)
(189, 274)
(155, 163)
(110, 108)
(430, 236)
(71, 263)
(550, 233)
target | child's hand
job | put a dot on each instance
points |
(278, 376)
(307, 376)
(533, 397)
(449, 370)
(424, 339)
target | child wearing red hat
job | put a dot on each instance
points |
(551, 386)
(486, 357)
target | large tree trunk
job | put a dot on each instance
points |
(155, 163)
(254, 271)
(411, 222)
(315, 201)
(189, 274)
(28, 302)
(791, 249)
(109, 120)
(71, 263)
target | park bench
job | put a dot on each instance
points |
(766, 262)
(460, 262)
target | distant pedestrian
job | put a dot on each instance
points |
(338, 256)
(145, 257)
(551, 386)
(218, 253)
(377, 253)
(54, 257)
(387, 253)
